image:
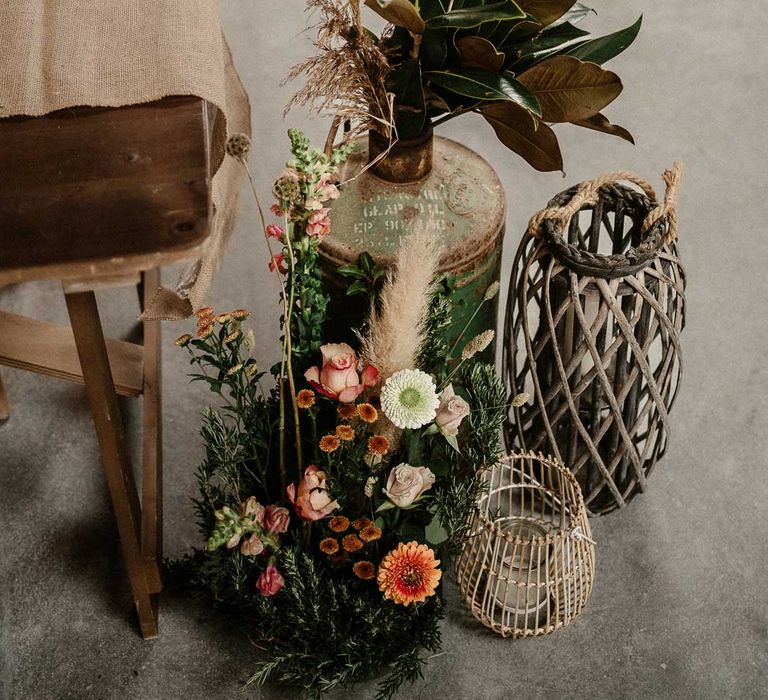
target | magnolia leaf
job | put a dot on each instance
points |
(546, 11)
(484, 85)
(477, 52)
(577, 13)
(570, 90)
(599, 122)
(401, 13)
(435, 532)
(548, 43)
(519, 131)
(607, 47)
(466, 17)
(433, 101)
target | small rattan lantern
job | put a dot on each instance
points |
(528, 562)
(592, 333)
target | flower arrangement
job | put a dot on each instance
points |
(333, 498)
(521, 65)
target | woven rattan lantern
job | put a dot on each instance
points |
(529, 559)
(595, 311)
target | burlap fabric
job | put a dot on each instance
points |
(109, 53)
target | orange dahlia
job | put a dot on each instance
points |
(305, 398)
(364, 570)
(346, 411)
(367, 412)
(329, 546)
(352, 543)
(378, 445)
(370, 533)
(409, 574)
(329, 443)
(338, 523)
(345, 432)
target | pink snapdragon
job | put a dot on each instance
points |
(275, 231)
(270, 581)
(278, 263)
(319, 224)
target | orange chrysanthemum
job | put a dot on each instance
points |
(370, 533)
(345, 432)
(361, 523)
(205, 312)
(204, 330)
(223, 318)
(329, 443)
(346, 411)
(241, 313)
(183, 341)
(378, 445)
(339, 523)
(305, 398)
(364, 570)
(367, 412)
(409, 574)
(352, 543)
(329, 546)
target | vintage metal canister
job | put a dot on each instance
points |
(427, 179)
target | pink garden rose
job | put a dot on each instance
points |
(252, 546)
(338, 378)
(276, 519)
(451, 412)
(270, 581)
(312, 501)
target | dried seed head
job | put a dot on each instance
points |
(238, 146)
(520, 399)
(492, 291)
(287, 187)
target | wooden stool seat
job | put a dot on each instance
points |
(99, 198)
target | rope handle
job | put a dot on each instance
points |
(588, 193)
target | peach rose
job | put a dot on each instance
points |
(338, 377)
(270, 581)
(452, 410)
(312, 500)
(406, 483)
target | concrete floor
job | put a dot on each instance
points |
(679, 608)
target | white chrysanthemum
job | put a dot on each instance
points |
(409, 398)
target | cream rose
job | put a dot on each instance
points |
(406, 483)
(452, 410)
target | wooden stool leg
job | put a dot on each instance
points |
(5, 405)
(152, 480)
(94, 361)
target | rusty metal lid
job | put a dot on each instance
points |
(463, 192)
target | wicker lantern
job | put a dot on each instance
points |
(594, 316)
(529, 560)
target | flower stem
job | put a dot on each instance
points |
(466, 325)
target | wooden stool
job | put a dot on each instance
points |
(101, 198)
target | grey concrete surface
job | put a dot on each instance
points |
(679, 608)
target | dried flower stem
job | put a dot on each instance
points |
(286, 353)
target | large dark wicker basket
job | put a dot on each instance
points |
(592, 332)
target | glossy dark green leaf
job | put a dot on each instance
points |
(600, 123)
(519, 131)
(410, 112)
(434, 49)
(485, 85)
(431, 8)
(466, 17)
(607, 47)
(550, 42)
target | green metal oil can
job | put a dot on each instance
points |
(428, 179)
